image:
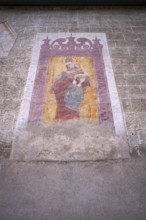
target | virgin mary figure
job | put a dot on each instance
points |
(69, 88)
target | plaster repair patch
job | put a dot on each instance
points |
(70, 109)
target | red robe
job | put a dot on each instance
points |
(60, 88)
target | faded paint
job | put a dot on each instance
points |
(88, 107)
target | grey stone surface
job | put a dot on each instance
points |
(74, 191)
(125, 30)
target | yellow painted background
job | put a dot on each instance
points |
(88, 108)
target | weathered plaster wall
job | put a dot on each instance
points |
(126, 33)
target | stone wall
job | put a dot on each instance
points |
(126, 33)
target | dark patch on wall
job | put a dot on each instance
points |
(71, 3)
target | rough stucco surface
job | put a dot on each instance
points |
(125, 31)
(74, 191)
(69, 142)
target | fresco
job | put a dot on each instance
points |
(70, 109)
(70, 82)
(70, 90)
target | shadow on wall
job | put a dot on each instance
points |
(71, 3)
